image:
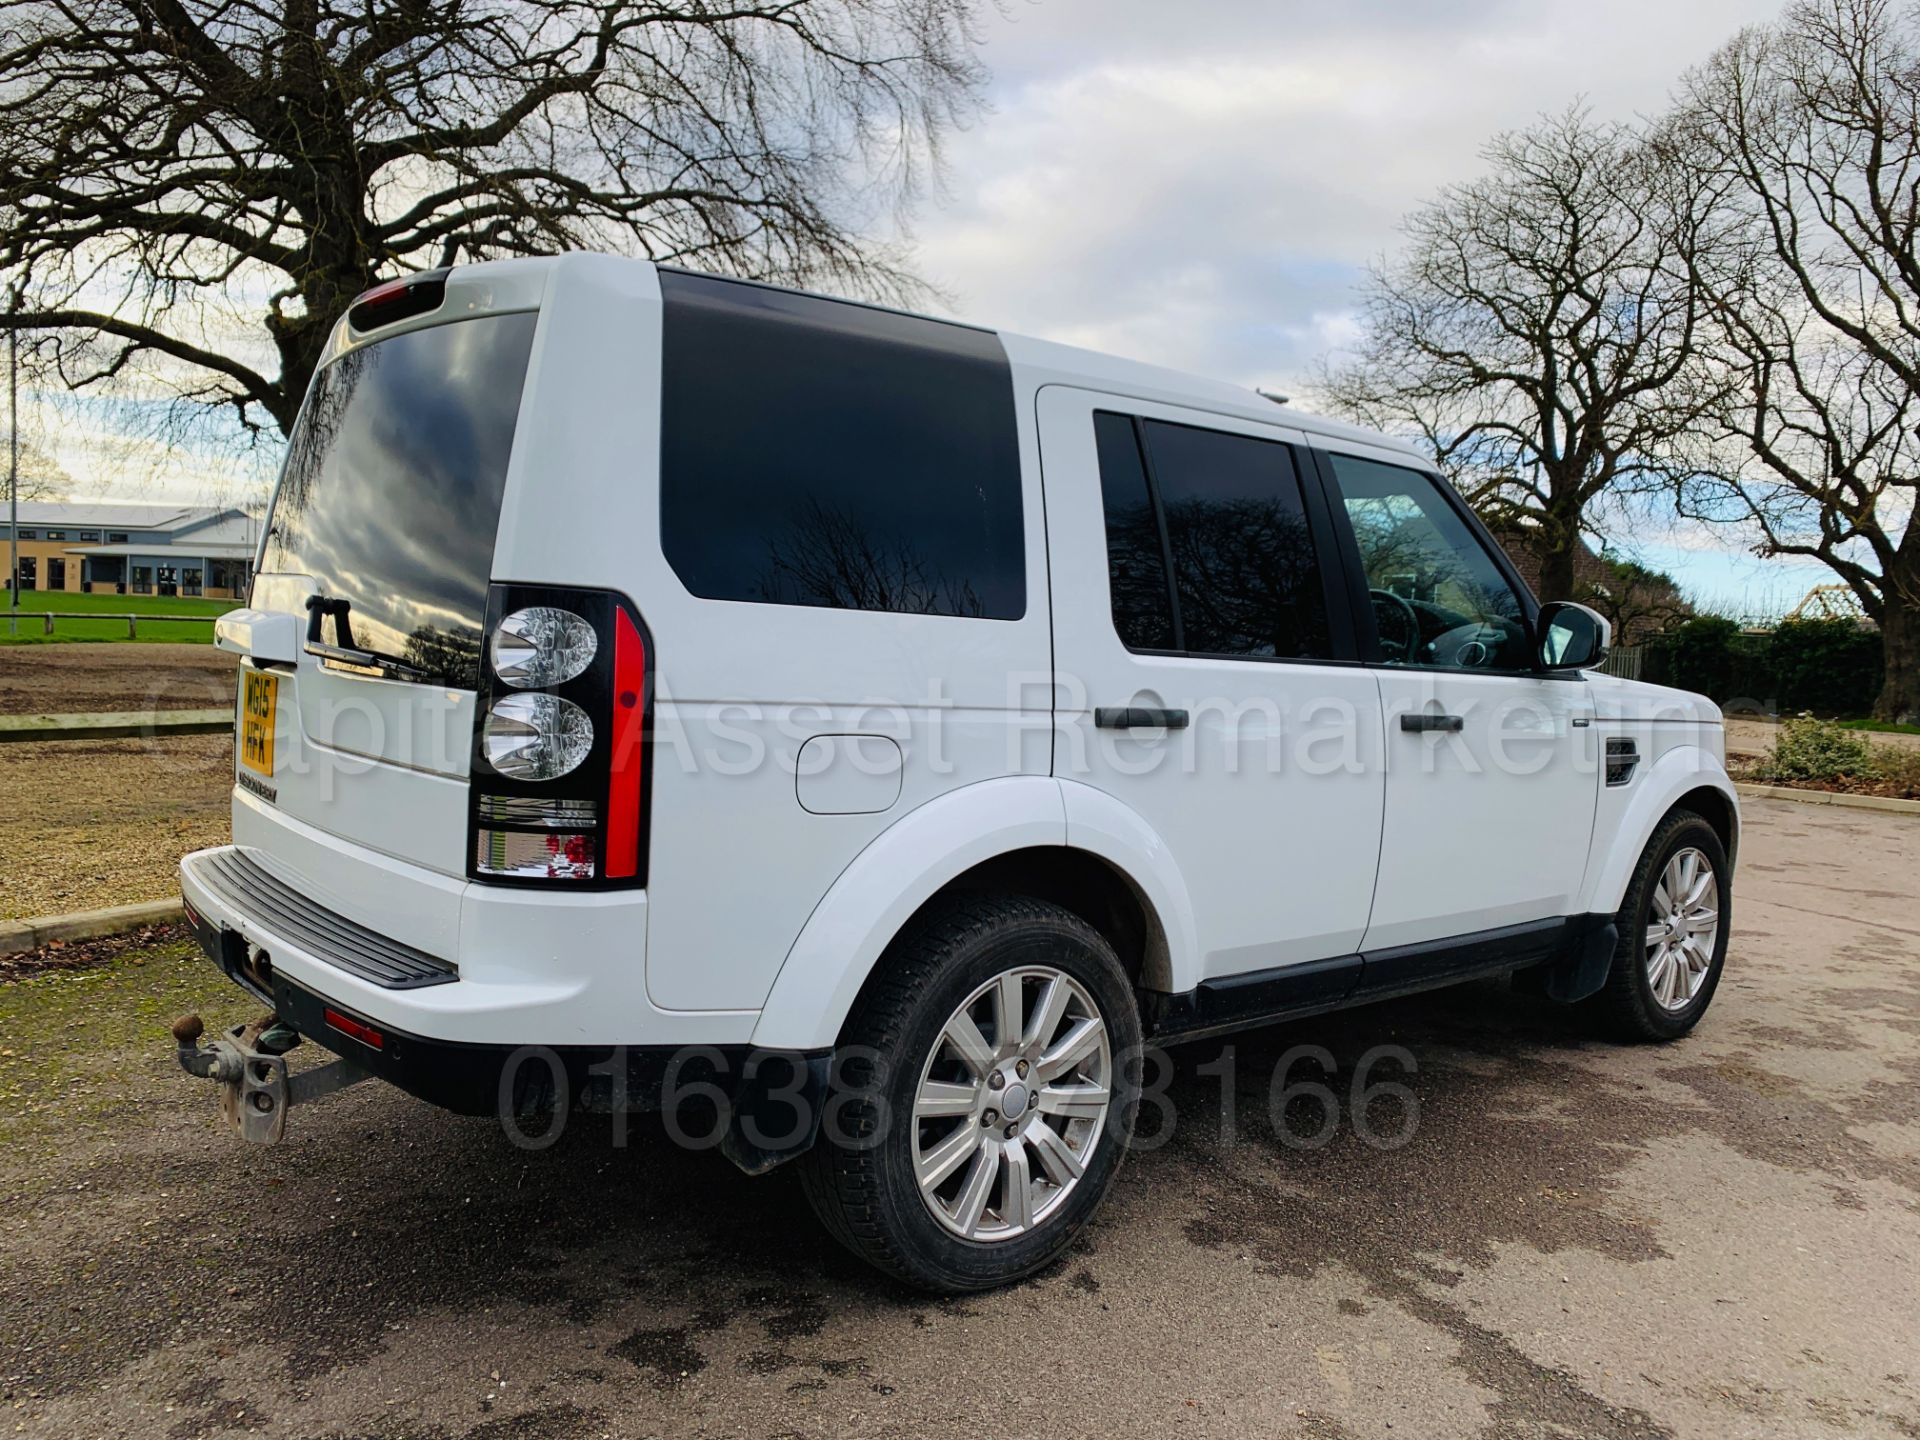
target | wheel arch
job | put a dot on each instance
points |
(1685, 777)
(1015, 835)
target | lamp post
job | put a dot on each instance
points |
(13, 466)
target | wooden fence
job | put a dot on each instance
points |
(133, 621)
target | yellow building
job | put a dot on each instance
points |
(110, 548)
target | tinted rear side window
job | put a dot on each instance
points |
(1246, 576)
(1136, 562)
(390, 498)
(814, 452)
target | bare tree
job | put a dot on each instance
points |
(194, 189)
(1532, 331)
(41, 477)
(1807, 137)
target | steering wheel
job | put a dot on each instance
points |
(1469, 646)
(1398, 626)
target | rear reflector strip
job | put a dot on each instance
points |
(629, 721)
(534, 854)
(349, 1026)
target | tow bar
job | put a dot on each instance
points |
(249, 1063)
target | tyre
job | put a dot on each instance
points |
(1673, 927)
(978, 1111)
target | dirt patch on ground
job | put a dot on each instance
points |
(1905, 786)
(89, 679)
(68, 955)
(87, 823)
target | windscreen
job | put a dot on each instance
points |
(391, 493)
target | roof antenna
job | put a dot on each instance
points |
(1273, 395)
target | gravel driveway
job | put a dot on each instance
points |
(1715, 1238)
(85, 823)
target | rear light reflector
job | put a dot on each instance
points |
(536, 737)
(356, 1029)
(623, 781)
(534, 854)
(542, 646)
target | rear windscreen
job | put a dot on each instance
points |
(391, 493)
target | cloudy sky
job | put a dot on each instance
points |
(1201, 182)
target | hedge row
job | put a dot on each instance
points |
(1831, 667)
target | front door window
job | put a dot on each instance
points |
(1438, 599)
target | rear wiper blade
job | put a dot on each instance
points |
(368, 659)
(346, 652)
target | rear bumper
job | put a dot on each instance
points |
(771, 1100)
(533, 966)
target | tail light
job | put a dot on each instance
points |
(562, 749)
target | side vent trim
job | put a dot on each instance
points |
(1623, 758)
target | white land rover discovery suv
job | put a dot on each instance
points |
(659, 685)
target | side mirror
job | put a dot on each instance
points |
(1572, 637)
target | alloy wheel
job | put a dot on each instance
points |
(1011, 1104)
(1683, 927)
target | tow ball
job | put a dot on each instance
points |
(249, 1063)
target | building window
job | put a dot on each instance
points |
(143, 579)
(29, 573)
(89, 537)
(116, 537)
(190, 580)
(56, 534)
(229, 576)
(29, 534)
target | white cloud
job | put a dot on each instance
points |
(1200, 184)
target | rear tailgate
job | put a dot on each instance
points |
(380, 547)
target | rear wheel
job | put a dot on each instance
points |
(979, 1111)
(1673, 934)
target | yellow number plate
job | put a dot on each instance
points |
(258, 694)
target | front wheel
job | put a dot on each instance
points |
(979, 1110)
(1673, 927)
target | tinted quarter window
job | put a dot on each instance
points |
(1136, 563)
(814, 452)
(1245, 571)
(1438, 598)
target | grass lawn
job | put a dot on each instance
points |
(79, 607)
(1884, 727)
(84, 1046)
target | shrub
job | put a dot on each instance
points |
(1810, 749)
(1830, 666)
(1898, 771)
